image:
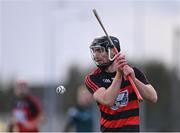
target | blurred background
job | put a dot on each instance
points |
(47, 43)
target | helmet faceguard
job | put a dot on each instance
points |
(101, 45)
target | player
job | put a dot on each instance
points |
(114, 94)
(27, 112)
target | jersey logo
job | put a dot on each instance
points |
(121, 100)
(106, 80)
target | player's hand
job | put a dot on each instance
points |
(119, 62)
(127, 70)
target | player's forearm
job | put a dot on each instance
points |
(108, 96)
(146, 91)
(112, 91)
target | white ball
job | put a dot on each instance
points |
(60, 89)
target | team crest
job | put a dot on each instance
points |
(121, 100)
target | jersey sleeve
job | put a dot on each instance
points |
(140, 75)
(91, 84)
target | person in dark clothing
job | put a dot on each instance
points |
(81, 116)
(112, 90)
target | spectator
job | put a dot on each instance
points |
(80, 117)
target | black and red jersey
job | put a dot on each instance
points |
(26, 109)
(124, 114)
